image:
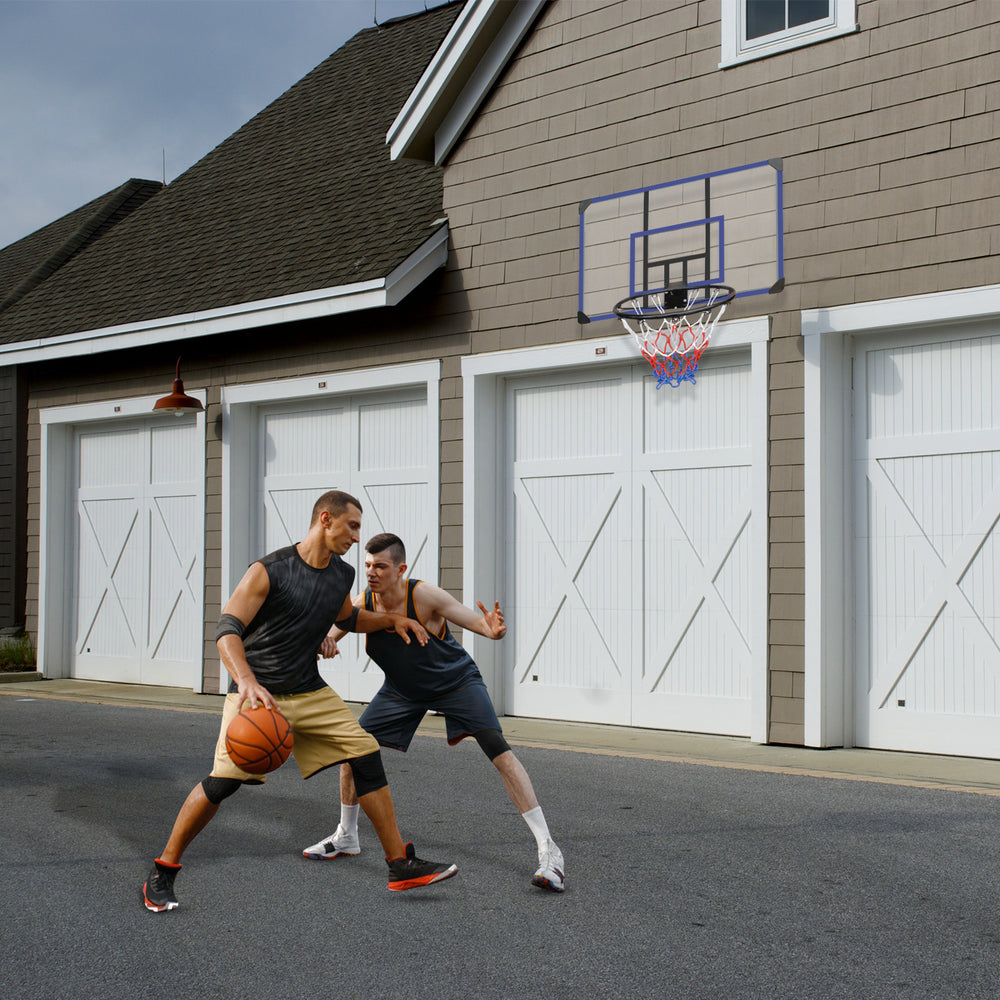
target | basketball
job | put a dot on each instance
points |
(259, 740)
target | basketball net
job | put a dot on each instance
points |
(671, 337)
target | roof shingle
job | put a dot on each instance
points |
(27, 263)
(302, 197)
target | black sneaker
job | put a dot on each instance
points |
(158, 892)
(410, 872)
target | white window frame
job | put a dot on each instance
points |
(736, 48)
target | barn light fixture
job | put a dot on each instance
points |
(178, 402)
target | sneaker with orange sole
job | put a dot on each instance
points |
(410, 872)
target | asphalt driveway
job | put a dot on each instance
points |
(683, 880)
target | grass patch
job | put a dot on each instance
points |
(17, 655)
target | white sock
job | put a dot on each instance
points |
(536, 823)
(349, 818)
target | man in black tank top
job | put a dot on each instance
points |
(438, 676)
(268, 637)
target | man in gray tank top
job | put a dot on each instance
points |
(268, 636)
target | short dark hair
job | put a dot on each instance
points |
(334, 501)
(388, 543)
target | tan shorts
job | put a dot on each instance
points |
(324, 728)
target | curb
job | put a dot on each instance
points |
(16, 676)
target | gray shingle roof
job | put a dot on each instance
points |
(24, 265)
(302, 197)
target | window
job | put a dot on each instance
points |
(752, 29)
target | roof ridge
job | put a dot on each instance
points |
(90, 230)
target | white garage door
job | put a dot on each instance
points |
(927, 503)
(377, 447)
(630, 561)
(140, 538)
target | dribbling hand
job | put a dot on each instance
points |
(251, 692)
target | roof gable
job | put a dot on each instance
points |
(459, 77)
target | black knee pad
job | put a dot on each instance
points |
(217, 789)
(492, 742)
(369, 774)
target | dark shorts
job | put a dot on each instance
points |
(393, 720)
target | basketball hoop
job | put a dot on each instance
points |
(672, 328)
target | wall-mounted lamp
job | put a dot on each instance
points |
(178, 402)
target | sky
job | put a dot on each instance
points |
(94, 92)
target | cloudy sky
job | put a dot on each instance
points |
(93, 92)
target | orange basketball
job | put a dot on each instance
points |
(259, 740)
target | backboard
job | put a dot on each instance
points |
(724, 227)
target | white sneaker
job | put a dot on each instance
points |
(550, 874)
(337, 845)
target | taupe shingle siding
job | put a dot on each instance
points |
(889, 143)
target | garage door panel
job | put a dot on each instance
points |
(710, 414)
(108, 523)
(701, 657)
(288, 510)
(981, 583)
(402, 509)
(110, 580)
(572, 510)
(703, 501)
(932, 388)
(970, 687)
(572, 627)
(945, 494)
(109, 457)
(732, 585)
(170, 449)
(902, 572)
(304, 438)
(175, 536)
(176, 560)
(392, 434)
(601, 583)
(697, 583)
(915, 574)
(582, 419)
(139, 553)
(377, 447)
(631, 557)
(103, 626)
(928, 487)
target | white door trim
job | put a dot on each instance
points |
(55, 522)
(828, 341)
(484, 504)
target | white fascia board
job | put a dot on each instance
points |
(600, 351)
(112, 409)
(903, 313)
(378, 292)
(419, 266)
(455, 83)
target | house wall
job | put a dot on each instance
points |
(12, 512)
(410, 333)
(887, 138)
